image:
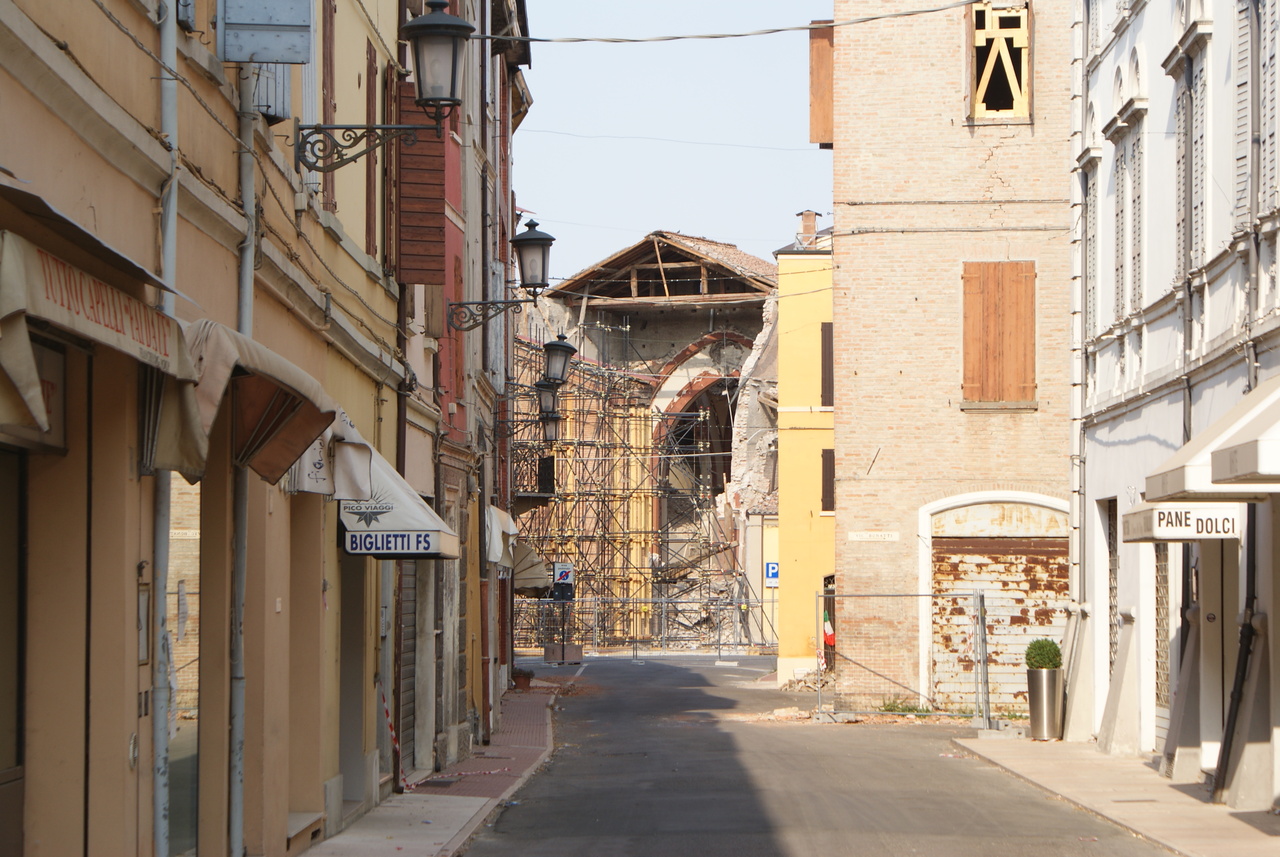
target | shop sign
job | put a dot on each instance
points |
(42, 285)
(1183, 522)
(51, 369)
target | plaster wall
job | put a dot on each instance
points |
(806, 534)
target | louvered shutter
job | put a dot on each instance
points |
(1240, 193)
(1091, 253)
(1136, 291)
(1198, 163)
(1267, 193)
(1182, 183)
(1120, 257)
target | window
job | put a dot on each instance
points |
(828, 480)
(1000, 332)
(828, 365)
(1001, 71)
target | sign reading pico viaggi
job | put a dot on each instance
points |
(1183, 522)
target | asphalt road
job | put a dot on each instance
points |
(676, 756)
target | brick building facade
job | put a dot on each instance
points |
(952, 318)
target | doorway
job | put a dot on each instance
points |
(352, 685)
(12, 644)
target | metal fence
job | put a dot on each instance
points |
(956, 654)
(660, 623)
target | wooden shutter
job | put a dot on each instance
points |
(821, 85)
(999, 332)
(828, 365)
(828, 480)
(328, 87)
(371, 160)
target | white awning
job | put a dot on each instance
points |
(382, 513)
(530, 573)
(1251, 456)
(277, 409)
(1188, 473)
(1183, 522)
(394, 522)
(502, 536)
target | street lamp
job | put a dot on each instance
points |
(558, 353)
(546, 395)
(437, 41)
(533, 253)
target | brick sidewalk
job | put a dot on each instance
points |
(439, 814)
(513, 752)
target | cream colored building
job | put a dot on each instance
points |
(201, 664)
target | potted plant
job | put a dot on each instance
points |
(1044, 689)
(521, 677)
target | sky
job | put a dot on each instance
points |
(705, 137)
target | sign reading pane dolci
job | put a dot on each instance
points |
(1183, 522)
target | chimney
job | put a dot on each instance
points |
(808, 233)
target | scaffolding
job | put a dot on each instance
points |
(627, 496)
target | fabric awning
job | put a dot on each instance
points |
(382, 513)
(1183, 522)
(1252, 454)
(22, 206)
(1188, 473)
(35, 283)
(530, 573)
(278, 409)
(394, 522)
(502, 532)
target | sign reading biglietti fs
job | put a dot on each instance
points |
(1183, 522)
(383, 527)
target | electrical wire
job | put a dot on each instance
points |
(614, 40)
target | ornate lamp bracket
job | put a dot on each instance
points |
(468, 315)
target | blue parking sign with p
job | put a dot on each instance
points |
(771, 574)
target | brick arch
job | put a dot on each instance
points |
(681, 357)
(688, 393)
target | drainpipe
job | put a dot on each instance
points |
(160, 696)
(1247, 631)
(240, 487)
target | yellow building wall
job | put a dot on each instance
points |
(805, 547)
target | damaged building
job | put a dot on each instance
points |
(667, 441)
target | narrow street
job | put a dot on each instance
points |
(681, 756)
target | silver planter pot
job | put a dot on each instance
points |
(1045, 698)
